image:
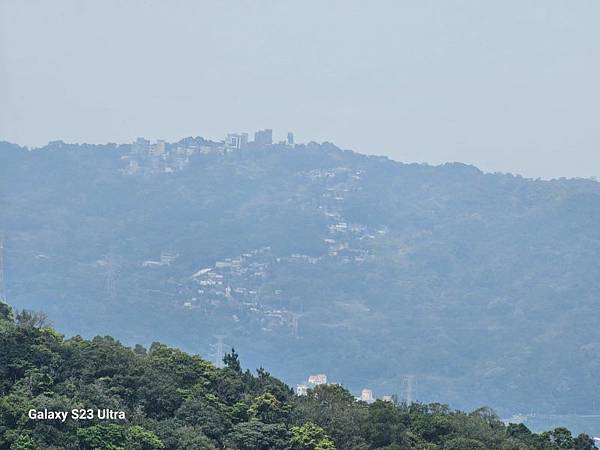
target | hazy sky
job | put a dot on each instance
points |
(506, 85)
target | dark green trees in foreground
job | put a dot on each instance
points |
(180, 402)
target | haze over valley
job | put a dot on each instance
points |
(479, 288)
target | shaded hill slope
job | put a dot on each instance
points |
(311, 259)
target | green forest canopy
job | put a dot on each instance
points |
(178, 401)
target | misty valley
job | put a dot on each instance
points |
(470, 288)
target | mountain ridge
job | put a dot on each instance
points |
(463, 278)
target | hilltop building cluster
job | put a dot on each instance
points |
(366, 394)
(162, 157)
(264, 137)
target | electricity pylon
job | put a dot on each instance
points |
(408, 389)
(295, 323)
(219, 352)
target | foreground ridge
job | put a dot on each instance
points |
(98, 394)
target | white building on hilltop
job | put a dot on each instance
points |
(301, 390)
(263, 137)
(236, 140)
(366, 395)
(318, 379)
(141, 146)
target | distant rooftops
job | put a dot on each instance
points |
(261, 137)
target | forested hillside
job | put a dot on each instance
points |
(175, 401)
(480, 288)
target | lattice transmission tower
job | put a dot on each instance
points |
(219, 350)
(409, 389)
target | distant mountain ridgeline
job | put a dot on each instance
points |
(479, 288)
(58, 393)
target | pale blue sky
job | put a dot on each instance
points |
(507, 85)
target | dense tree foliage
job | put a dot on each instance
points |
(175, 401)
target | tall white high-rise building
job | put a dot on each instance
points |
(141, 146)
(236, 140)
(263, 137)
(366, 395)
